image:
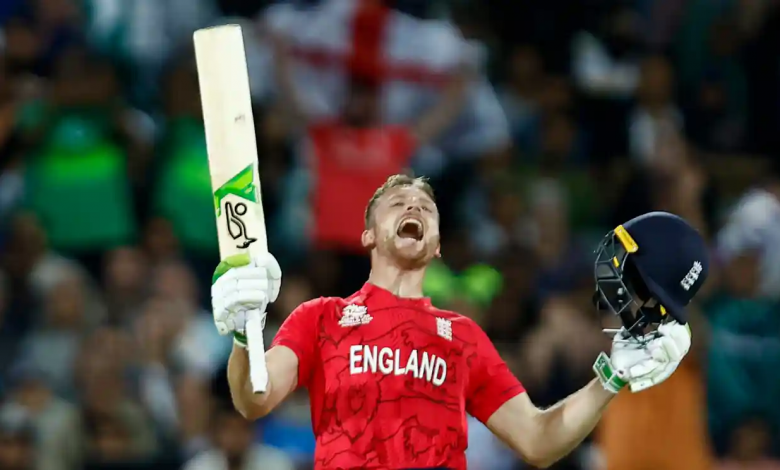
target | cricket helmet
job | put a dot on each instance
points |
(648, 269)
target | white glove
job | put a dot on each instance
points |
(667, 351)
(644, 362)
(242, 284)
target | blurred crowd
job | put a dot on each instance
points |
(541, 125)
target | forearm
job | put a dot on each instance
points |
(283, 75)
(564, 426)
(435, 121)
(282, 365)
(246, 402)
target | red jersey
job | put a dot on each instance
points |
(390, 380)
(349, 164)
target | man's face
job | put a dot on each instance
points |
(405, 227)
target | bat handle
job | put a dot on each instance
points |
(258, 371)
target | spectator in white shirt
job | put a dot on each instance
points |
(754, 223)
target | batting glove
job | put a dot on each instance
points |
(242, 284)
(643, 362)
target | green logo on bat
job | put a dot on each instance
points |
(241, 185)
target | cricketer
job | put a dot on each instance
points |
(391, 378)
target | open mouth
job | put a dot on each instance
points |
(410, 228)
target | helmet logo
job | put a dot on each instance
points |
(693, 275)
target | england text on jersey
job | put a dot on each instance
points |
(387, 361)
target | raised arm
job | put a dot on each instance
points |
(282, 380)
(543, 436)
(444, 113)
(240, 285)
(292, 104)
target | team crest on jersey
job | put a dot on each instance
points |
(444, 328)
(354, 315)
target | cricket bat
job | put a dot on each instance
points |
(232, 150)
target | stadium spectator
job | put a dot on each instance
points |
(181, 167)
(77, 180)
(233, 448)
(124, 285)
(17, 449)
(751, 224)
(520, 95)
(750, 447)
(743, 325)
(52, 348)
(55, 422)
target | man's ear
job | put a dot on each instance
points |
(437, 253)
(368, 239)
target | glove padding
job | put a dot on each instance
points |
(643, 362)
(242, 284)
(667, 351)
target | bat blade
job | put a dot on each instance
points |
(230, 139)
(232, 152)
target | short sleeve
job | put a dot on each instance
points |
(299, 333)
(491, 383)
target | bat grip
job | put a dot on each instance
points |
(258, 371)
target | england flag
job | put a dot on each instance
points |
(412, 58)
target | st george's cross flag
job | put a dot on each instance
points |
(410, 57)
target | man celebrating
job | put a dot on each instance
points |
(391, 378)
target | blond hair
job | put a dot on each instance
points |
(397, 181)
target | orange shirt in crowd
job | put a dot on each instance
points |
(348, 165)
(664, 427)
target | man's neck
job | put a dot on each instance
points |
(406, 283)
